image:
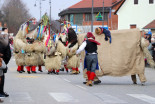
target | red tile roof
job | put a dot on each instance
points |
(151, 25)
(97, 3)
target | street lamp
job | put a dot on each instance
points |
(92, 16)
(40, 6)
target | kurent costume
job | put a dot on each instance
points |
(19, 47)
(55, 52)
(121, 58)
(28, 52)
(73, 61)
(90, 45)
(34, 52)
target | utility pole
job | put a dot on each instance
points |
(40, 6)
(92, 16)
(103, 15)
(40, 9)
(50, 9)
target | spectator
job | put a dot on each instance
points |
(153, 46)
(2, 66)
(5, 51)
(148, 37)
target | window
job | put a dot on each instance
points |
(133, 26)
(135, 1)
(150, 1)
(66, 17)
(78, 19)
(106, 16)
(88, 17)
(71, 18)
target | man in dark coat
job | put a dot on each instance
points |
(5, 50)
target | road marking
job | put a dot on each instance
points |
(66, 80)
(63, 97)
(22, 76)
(108, 98)
(81, 87)
(20, 97)
(143, 97)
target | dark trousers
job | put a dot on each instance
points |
(153, 55)
(91, 62)
(2, 84)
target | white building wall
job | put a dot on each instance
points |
(140, 14)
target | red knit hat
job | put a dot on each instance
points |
(91, 38)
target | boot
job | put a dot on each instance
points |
(77, 71)
(53, 71)
(90, 83)
(19, 69)
(40, 69)
(96, 80)
(66, 68)
(73, 70)
(49, 71)
(57, 72)
(92, 75)
(62, 69)
(28, 69)
(88, 75)
(85, 81)
(22, 68)
(133, 77)
(33, 68)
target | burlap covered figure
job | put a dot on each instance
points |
(120, 58)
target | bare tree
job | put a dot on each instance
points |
(15, 13)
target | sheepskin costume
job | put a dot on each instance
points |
(35, 53)
(73, 61)
(55, 52)
(60, 39)
(53, 62)
(20, 40)
(20, 46)
(53, 59)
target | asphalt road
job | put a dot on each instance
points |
(42, 88)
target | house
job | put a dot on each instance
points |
(80, 16)
(135, 13)
(151, 26)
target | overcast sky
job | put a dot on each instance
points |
(57, 6)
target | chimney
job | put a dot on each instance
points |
(114, 1)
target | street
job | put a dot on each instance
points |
(43, 88)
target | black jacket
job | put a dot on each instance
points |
(91, 47)
(6, 53)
